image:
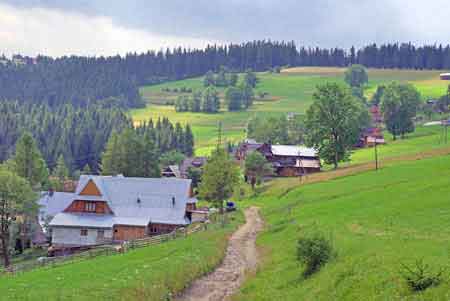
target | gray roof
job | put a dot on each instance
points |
(51, 204)
(134, 201)
(293, 151)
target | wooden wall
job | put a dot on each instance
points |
(80, 206)
(122, 233)
(90, 189)
(157, 229)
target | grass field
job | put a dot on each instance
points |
(149, 273)
(289, 91)
(377, 220)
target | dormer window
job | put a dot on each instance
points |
(89, 206)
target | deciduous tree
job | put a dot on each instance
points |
(399, 105)
(16, 199)
(334, 122)
(256, 167)
(219, 178)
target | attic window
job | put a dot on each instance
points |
(89, 206)
(84, 232)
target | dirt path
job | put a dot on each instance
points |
(240, 257)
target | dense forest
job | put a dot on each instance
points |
(80, 134)
(115, 80)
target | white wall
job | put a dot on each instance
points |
(72, 236)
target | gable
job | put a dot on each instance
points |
(90, 189)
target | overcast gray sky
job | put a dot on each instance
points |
(108, 27)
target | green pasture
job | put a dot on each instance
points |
(150, 273)
(289, 91)
(377, 221)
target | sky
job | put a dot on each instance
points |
(110, 27)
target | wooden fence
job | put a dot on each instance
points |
(50, 262)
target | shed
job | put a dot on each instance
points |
(445, 76)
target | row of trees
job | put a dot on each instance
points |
(208, 102)
(115, 80)
(78, 135)
(138, 152)
(277, 130)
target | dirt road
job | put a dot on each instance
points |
(240, 257)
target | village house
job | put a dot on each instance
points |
(182, 170)
(106, 209)
(245, 148)
(291, 160)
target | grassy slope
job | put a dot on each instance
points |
(142, 274)
(377, 220)
(290, 91)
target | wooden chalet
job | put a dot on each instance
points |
(182, 171)
(245, 148)
(291, 160)
(107, 209)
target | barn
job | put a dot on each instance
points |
(445, 76)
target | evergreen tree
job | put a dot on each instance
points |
(150, 158)
(28, 162)
(356, 76)
(209, 79)
(250, 79)
(188, 141)
(233, 98)
(111, 158)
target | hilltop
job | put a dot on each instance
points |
(288, 91)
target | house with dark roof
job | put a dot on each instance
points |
(182, 170)
(106, 209)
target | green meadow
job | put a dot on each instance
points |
(289, 91)
(150, 273)
(377, 221)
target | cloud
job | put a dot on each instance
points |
(118, 25)
(36, 30)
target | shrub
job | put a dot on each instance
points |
(314, 251)
(420, 276)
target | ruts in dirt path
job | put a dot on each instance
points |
(240, 258)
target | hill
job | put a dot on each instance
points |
(289, 91)
(377, 221)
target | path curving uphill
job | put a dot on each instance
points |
(240, 258)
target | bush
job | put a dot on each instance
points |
(420, 276)
(314, 251)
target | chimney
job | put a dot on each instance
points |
(173, 201)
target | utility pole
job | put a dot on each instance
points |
(376, 154)
(219, 136)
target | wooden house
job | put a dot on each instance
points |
(291, 160)
(246, 147)
(106, 209)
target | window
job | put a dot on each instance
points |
(89, 206)
(84, 232)
(100, 234)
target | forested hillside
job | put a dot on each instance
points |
(81, 80)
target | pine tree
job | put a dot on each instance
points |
(28, 162)
(188, 141)
(111, 164)
(61, 171)
(150, 158)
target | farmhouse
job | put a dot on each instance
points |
(445, 76)
(182, 170)
(245, 148)
(291, 160)
(107, 209)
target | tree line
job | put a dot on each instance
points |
(238, 95)
(80, 135)
(115, 80)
